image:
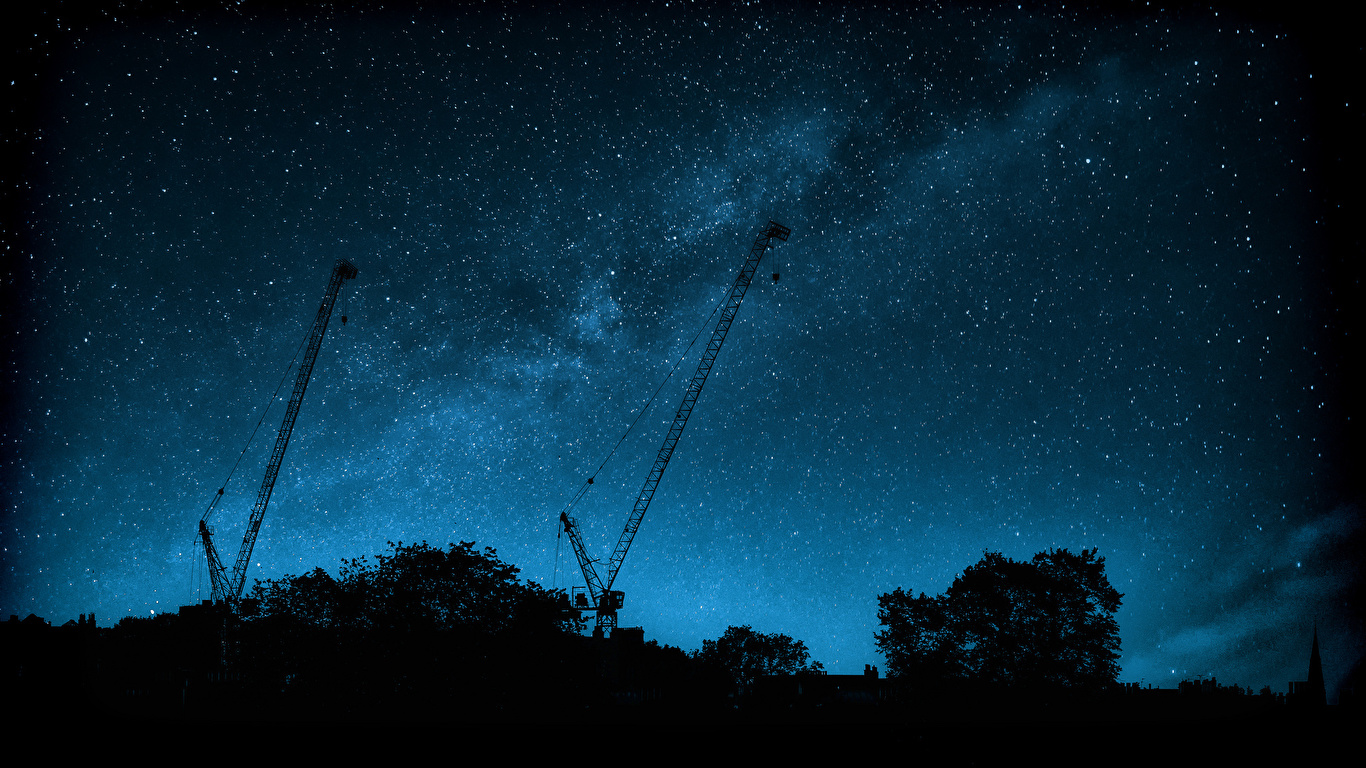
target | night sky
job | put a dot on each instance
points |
(1055, 279)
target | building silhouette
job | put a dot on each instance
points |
(1311, 692)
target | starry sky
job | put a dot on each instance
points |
(1056, 278)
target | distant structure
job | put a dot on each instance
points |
(1311, 692)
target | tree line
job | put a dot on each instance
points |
(422, 631)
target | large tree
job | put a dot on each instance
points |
(417, 587)
(1045, 623)
(746, 655)
(419, 628)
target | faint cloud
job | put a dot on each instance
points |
(1256, 629)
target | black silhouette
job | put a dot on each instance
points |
(1310, 693)
(417, 588)
(421, 630)
(1046, 624)
(453, 635)
(746, 655)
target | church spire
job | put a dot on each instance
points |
(1315, 696)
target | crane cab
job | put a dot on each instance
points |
(610, 602)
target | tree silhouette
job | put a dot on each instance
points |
(1043, 624)
(417, 587)
(746, 655)
(418, 628)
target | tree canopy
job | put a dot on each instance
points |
(746, 655)
(416, 629)
(416, 587)
(1045, 623)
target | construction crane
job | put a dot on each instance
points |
(605, 600)
(227, 588)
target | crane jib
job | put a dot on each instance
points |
(229, 588)
(607, 601)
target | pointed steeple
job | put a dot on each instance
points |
(1315, 696)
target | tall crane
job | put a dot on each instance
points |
(227, 588)
(605, 600)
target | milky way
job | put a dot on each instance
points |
(1054, 280)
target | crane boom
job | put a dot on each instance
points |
(229, 588)
(605, 599)
(718, 336)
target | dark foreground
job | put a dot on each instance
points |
(196, 667)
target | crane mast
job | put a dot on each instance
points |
(606, 601)
(227, 587)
